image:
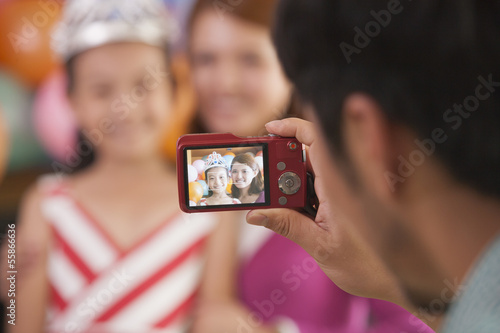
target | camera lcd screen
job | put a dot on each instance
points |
(222, 176)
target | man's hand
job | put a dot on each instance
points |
(330, 239)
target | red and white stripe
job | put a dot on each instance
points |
(149, 287)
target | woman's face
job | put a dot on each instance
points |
(236, 74)
(242, 175)
(122, 98)
(217, 179)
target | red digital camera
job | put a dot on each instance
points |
(220, 172)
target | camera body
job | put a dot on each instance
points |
(221, 172)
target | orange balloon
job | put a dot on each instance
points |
(195, 191)
(229, 184)
(3, 145)
(184, 106)
(25, 36)
(230, 154)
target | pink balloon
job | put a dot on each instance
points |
(192, 173)
(199, 165)
(53, 119)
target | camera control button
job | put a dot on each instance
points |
(281, 166)
(283, 201)
(292, 145)
(289, 183)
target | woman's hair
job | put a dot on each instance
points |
(257, 185)
(260, 12)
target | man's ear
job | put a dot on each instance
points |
(370, 148)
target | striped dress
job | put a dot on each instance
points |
(98, 287)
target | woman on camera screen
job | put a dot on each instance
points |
(248, 184)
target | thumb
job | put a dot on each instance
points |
(289, 223)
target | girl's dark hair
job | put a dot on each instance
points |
(257, 185)
(260, 12)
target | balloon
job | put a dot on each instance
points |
(260, 161)
(195, 191)
(192, 173)
(259, 153)
(54, 121)
(199, 166)
(230, 154)
(205, 186)
(25, 151)
(229, 184)
(204, 158)
(25, 37)
(3, 145)
(228, 158)
(192, 203)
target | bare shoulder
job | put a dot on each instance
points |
(32, 226)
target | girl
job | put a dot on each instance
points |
(114, 253)
(216, 174)
(248, 185)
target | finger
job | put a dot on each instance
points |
(290, 224)
(293, 127)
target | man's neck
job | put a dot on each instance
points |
(455, 224)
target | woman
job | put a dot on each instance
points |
(261, 282)
(248, 184)
(114, 253)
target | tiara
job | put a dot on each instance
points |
(215, 160)
(87, 24)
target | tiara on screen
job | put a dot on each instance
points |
(87, 24)
(215, 160)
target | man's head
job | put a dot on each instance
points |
(408, 96)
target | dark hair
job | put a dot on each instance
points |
(260, 12)
(257, 184)
(416, 59)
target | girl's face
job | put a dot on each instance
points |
(236, 74)
(242, 175)
(122, 98)
(217, 179)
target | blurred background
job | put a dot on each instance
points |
(34, 110)
(36, 114)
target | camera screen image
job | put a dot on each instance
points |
(226, 176)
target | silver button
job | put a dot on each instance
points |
(281, 166)
(283, 201)
(289, 183)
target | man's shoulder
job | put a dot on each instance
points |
(478, 308)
